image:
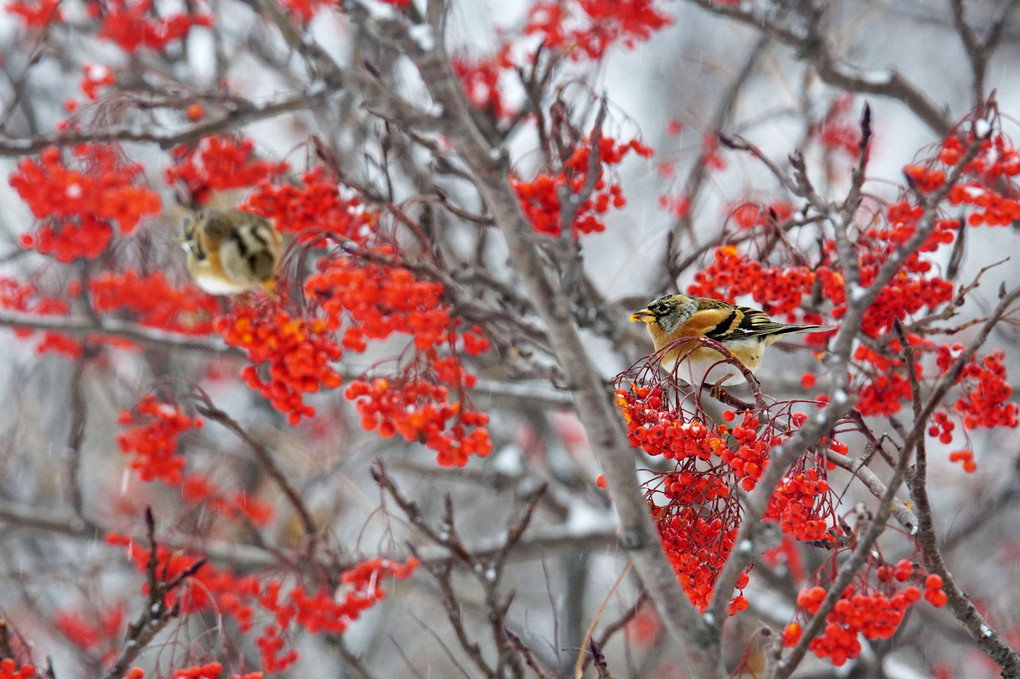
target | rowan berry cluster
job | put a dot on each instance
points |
(587, 28)
(540, 197)
(36, 14)
(864, 610)
(481, 79)
(839, 129)
(18, 296)
(323, 611)
(290, 356)
(314, 209)
(151, 438)
(133, 24)
(985, 401)
(153, 301)
(420, 410)
(802, 505)
(207, 588)
(374, 301)
(9, 669)
(95, 77)
(198, 489)
(99, 636)
(698, 539)
(777, 290)
(219, 163)
(80, 206)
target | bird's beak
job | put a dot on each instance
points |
(645, 315)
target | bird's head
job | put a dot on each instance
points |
(668, 311)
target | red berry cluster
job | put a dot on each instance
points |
(881, 377)
(94, 77)
(198, 489)
(839, 130)
(213, 670)
(290, 356)
(749, 453)
(133, 24)
(966, 459)
(374, 301)
(99, 636)
(314, 208)
(379, 300)
(695, 505)
(863, 609)
(914, 287)
(777, 290)
(872, 614)
(420, 410)
(540, 197)
(995, 166)
(24, 297)
(10, 670)
(219, 163)
(154, 301)
(481, 79)
(985, 402)
(324, 611)
(657, 428)
(751, 215)
(942, 428)
(81, 206)
(587, 28)
(697, 539)
(208, 588)
(802, 504)
(153, 428)
(36, 14)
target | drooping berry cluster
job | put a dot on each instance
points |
(540, 197)
(420, 410)
(9, 669)
(585, 29)
(290, 356)
(985, 400)
(79, 207)
(864, 609)
(323, 611)
(151, 438)
(154, 301)
(133, 24)
(24, 297)
(314, 209)
(220, 163)
(374, 301)
(803, 505)
(99, 634)
(695, 504)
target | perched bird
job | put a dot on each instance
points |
(230, 251)
(746, 332)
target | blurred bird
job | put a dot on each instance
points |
(746, 332)
(230, 251)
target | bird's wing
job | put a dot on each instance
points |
(720, 320)
(218, 226)
(714, 319)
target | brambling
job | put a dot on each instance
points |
(230, 251)
(746, 332)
